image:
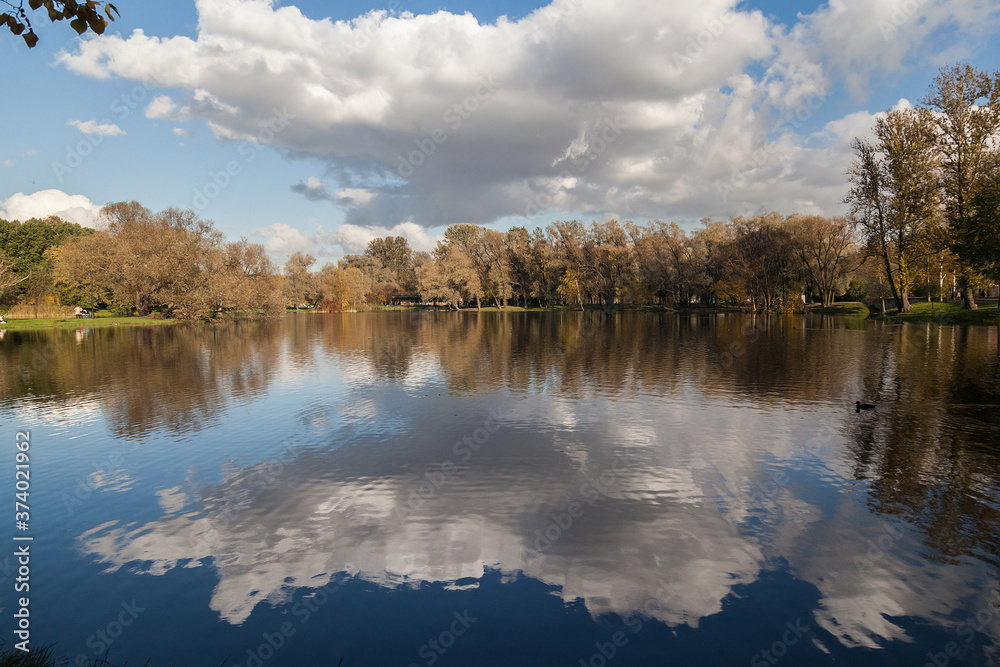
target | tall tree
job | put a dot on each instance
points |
(564, 253)
(468, 240)
(966, 114)
(545, 268)
(496, 279)
(894, 196)
(669, 261)
(521, 268)
(609, 259)
(246, 279)
(907, 141)
(869, 201)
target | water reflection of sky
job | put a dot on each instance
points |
(618, 465)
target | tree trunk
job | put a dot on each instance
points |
(479, 306)
(968, 295)
(609, 303)
(905, 306)
(892, 283)
(969, 298)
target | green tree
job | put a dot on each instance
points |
(8, 277)
(27, 245)
(966, 115)
(978, 241)
(570, 290)
(894, 196)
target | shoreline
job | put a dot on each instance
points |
(81, 323)
(947, 313)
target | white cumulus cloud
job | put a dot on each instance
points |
(355, 238)
(636, 107)
(162, 107)
(281, 240)
(95, 127)
(42, 204)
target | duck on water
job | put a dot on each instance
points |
(859, 406)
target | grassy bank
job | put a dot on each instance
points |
(944, 313)
(851, 308)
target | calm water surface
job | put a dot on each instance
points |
(509, 489)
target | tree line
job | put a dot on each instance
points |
(764, 262)
(177, 265)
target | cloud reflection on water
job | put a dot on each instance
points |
(718, 483)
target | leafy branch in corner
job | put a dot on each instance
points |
(81, 16)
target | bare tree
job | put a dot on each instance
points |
(172, 261)
(824, 248)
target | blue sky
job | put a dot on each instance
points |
(307, 130)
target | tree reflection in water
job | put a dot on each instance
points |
(711, 415)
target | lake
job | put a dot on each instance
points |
(566, 488)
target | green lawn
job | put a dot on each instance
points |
(82, 323)
(852, 308)
(945, 313)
